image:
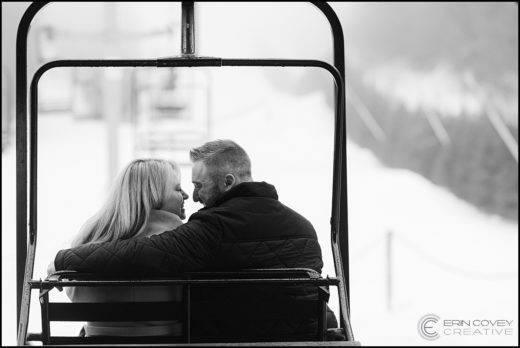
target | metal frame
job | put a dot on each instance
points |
(283, 276)
(26, 252)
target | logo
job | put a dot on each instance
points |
(431, 327)
(426, 329)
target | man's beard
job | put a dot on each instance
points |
(215, 194)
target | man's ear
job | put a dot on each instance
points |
(229, 181)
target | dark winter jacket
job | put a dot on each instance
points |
(246, 228)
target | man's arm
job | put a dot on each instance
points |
(190, 247)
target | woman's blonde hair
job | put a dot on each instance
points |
(138, 189)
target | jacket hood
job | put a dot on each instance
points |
(248, 189)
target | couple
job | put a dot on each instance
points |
(241, 226)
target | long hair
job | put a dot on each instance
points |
(138, 189)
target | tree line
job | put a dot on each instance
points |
(475, 165)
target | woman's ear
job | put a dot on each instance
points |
(229, 181)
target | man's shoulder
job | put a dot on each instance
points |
(205, 215)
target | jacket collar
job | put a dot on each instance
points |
(248, 189)
(160, 221)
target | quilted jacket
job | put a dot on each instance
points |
(246, 228)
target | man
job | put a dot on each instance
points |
(242, 225)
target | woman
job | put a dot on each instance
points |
(146, 199)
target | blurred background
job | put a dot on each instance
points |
(432, 126)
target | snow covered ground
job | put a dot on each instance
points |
(447, 258)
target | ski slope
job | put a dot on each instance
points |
(447, 257)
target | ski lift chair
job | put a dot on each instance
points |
(189, 310)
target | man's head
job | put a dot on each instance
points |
(218, 166)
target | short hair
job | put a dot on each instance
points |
(222, 157)
(139, 188)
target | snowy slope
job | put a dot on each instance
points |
(447, 257)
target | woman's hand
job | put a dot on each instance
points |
(51, 269)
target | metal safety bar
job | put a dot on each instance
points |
(26, 252)
(177, 310)
(50, 284)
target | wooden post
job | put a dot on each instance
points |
(389, 237)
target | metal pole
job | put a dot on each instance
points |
(492, 113)
(188, 28)
(339, 219)
(502, 130)
(111, 96)
(21, 150)
(438, 129)
(365, 115)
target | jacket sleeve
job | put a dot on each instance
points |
(190, 247)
